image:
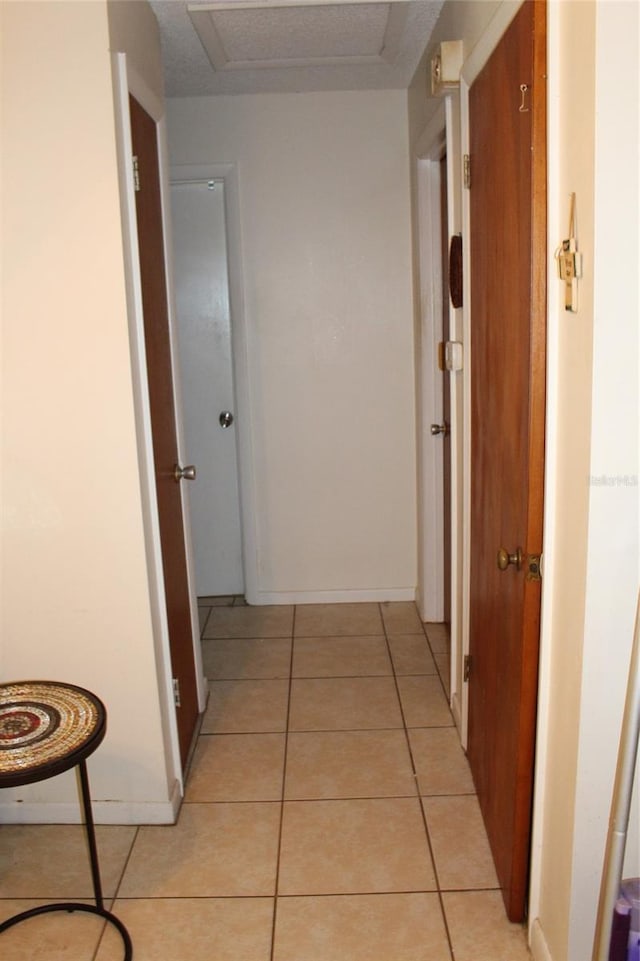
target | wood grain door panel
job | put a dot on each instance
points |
(508, 256)
(163, 420)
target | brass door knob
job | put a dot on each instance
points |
(505, 559)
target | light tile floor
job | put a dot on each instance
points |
(329, 812)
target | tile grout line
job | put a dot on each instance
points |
(419, 797)
(438, 674)
(204, 626)
(284, 776)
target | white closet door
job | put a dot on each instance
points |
(204, 337)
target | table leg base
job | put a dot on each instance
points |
(71, 906)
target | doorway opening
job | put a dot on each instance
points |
(440, 392)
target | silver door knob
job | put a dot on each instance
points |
(226, 419)
(439, 429)
(184, 473)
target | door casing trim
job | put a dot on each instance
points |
(125, 82)
(441, 134)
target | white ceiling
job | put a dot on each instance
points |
(256, 46)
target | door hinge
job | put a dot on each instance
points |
(534, 567)
(466, 170)
(136, 174)
(176, 692)
(467, 667)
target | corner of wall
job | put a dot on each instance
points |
(133, 29)
(539, 947)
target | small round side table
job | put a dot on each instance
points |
(46, 728)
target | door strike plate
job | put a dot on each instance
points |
(467, 667)
(534, 570)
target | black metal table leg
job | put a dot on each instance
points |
(70, 906)
(91, 833)
(48, 727)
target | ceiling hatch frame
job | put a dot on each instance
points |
(317, 15)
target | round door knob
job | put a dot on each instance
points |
(226, 419)
(184, 473)
(505, 559)
(439, 429)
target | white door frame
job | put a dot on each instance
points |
(228, 173)
(441, 134)
(126, 81)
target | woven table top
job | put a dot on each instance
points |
(46, 727)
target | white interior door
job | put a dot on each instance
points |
(204, 337)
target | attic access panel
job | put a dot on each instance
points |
(238, 37)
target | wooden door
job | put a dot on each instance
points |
(163, 420)
(508, 309)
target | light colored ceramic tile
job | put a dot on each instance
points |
(51, 860)
(340, 657)
(348, 764)
(377, 927)
(460, 847)
(411, 655)
(238, 621)
(354, 847)
(202, 929)
(344, 703)
(479, 928)
(423, 702)
(241, 658)
(334, 620)
(250, 707)
(401, 617)
(214, 850)
(438, 636)
(58, 936)
(440, 761)
(237, 767)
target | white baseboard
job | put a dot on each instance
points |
(104, 812)
(334, 597)
(539, 948)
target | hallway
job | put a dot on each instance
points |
(329, 812)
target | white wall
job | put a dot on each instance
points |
(75, 603)
(324, 208)
(133, 29)
(592, 495)
(613, 556)
(571, 135)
